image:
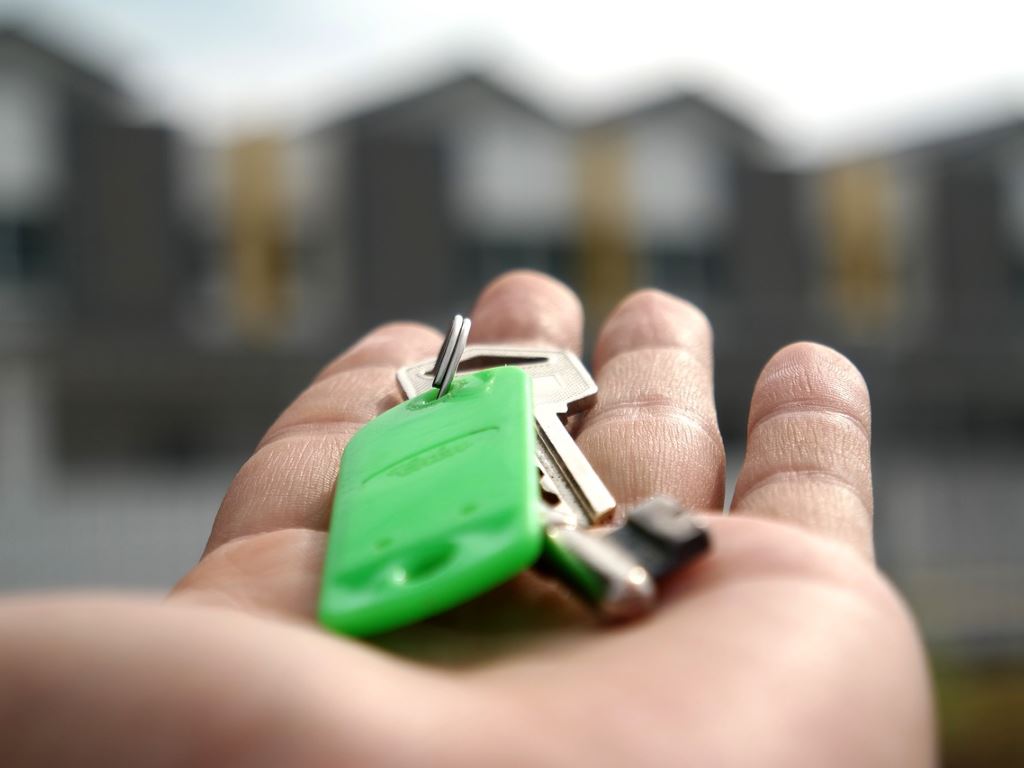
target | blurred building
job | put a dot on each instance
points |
(686, 194)
(85, 245)
(917, 261)
(161, 299)
(102, 267)
(405, 208)
(663, 186)
(408, 206)
(83, 191)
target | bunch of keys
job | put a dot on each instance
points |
(476, 478)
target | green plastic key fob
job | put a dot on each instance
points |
(437, 501)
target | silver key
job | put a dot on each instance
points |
(607, 577)
(614, 568)
(617, 569)
(561, 386)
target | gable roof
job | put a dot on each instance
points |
(411, 98)
(685, 100)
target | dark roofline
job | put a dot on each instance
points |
(674, 99)
(962, 137)
(53, 53)
(412, 96)
(949, 142)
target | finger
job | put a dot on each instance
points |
(809, 446)
(654, 429)
(528, 308)
(289, 480)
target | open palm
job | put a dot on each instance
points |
(784, 647)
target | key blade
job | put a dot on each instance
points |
(556, 446)
(557, 491)
(561, 385)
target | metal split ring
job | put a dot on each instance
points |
(450, 356)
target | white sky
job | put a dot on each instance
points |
(816, 74)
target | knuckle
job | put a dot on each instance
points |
(667, 370)
(810, 378)
(810, 479)
(656, 376)
(806, 454)
(339, 398)
(653, 319)
(285, 483)
(310, 429)
(292, 459)
(638, 414)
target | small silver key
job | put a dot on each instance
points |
(615, 567)
(561, 386)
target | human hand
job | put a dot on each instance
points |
(783, 647)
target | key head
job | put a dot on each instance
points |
(608, 577)
(559, 378)
(616, 569)
(437, 501)
(662, 535)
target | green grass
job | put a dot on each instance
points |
(981, 712)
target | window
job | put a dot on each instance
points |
(24, 250)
